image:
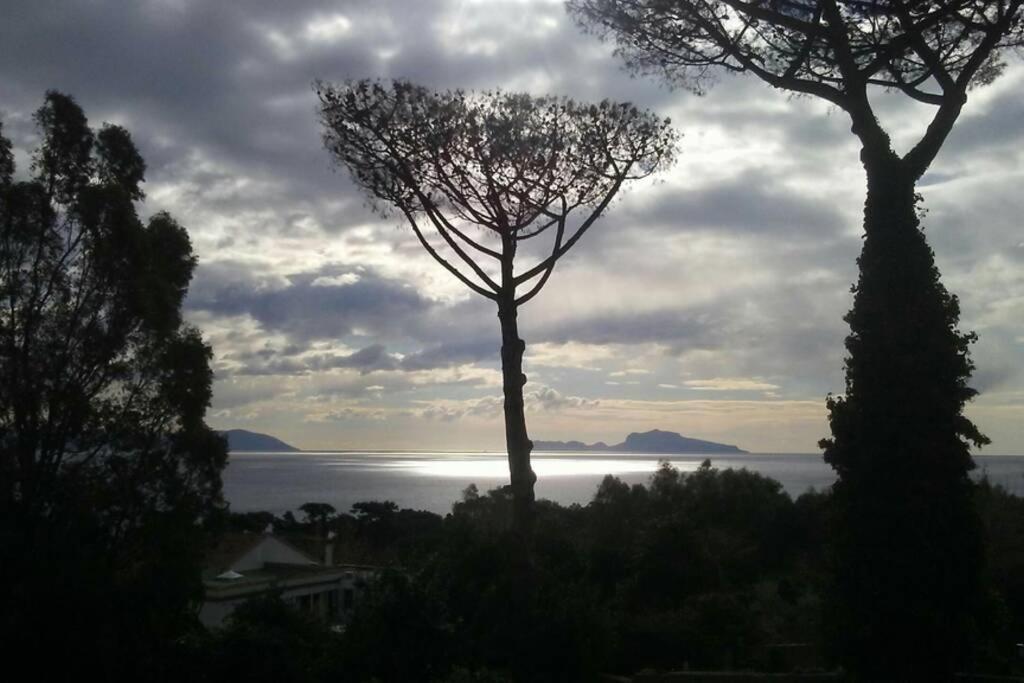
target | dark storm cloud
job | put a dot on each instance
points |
(752, 202)
(271, 361)
(455, 353)
(331, 304)
(446, 336)
(230, 83)
(233, 80)
(673, 327)
(306, 310)
(201, 90)
(367, 359)
(790, 329)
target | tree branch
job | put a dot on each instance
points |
(449, 267)
(547, 272)
(558, 253)
(432, 214)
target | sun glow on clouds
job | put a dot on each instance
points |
(574, 354)
(336, 280)
(475, 33)
(327, 29)
(289, 45)
(730, 384)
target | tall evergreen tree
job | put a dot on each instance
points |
(907, 558)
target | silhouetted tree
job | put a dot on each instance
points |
(319, 515)
(249, 522)
(106, 465)
(900, 441)
(510, 165)
(374, 511)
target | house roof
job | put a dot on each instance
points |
(312, 546)
(229, 549)
(232, 547)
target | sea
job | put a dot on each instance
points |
(277, 482)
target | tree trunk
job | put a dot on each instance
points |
(517, 442)
(907, 554)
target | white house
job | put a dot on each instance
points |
(243, 566)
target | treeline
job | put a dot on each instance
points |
(709, 570)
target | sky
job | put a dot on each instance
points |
(707, 300)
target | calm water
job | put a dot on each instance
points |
(433, 481)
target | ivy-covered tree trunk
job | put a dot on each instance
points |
(517, 441)
(906, 536)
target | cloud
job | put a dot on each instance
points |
(368, 359)
(308, 306)
(729, 274)
(349, 414)
(541, 400)
(730, 384)
(993, 123)
(753, 201)
(572, 353)
(548, 399)
(454, 353)
(335, 280)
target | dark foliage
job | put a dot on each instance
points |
(696, 569)
(318, 515)
(708, 570)
(106, 465)
(375, 532)
(264, 640)
(250, 522)
(399, 633)
(1001, 625)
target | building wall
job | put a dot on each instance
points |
(333, 601)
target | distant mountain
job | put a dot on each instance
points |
(569, 446)
(657, 441)
(654, 441)
(240, 440)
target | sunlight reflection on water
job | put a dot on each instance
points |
(434, 480)
(492, 468)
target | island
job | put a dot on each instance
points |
(242, 440)
(654, 441)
